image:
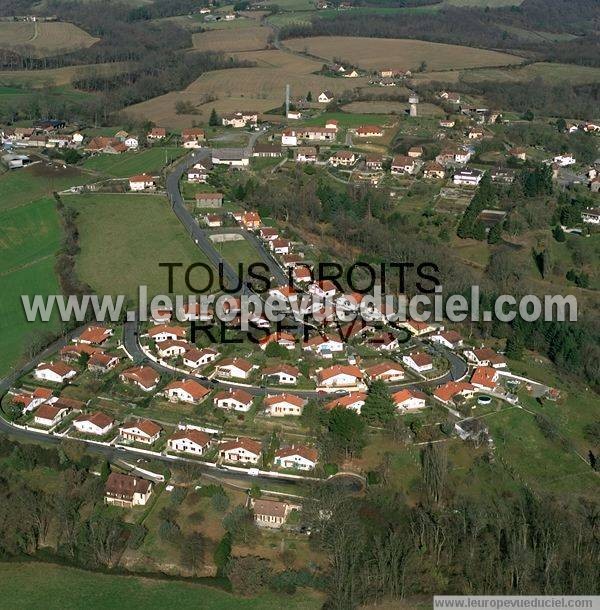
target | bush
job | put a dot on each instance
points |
(330, 469)
(137, 536)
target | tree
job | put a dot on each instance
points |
(309, 96)
(379, 406)
(240, 524)
(192, 550)
(222, 553)
(495, 234)
(214, 119)
(220, 501)
(559, 234)
(434, 470)
(249, 575)
(561, 125)
(346, 431)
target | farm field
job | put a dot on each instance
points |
(118, 256)
(46, 39)
(551, 73)
(274, 58)
(130, 163)
(46, 583)
(399, 54)
(377, 107)
(56, 77)
(247, 39)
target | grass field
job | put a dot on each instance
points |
(247, 39)
(483, 3)
(123, 238)
(46, 39)
(382, 107)
(377, 53)
(552, 73)
(56, 77)
(46, 584)
(128, 164)
(239, 251)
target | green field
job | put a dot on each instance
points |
(348, 120)
(551, 73)
(129, 164)
(240, 251)
(35, 585)
(124, 237)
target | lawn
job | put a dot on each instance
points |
(123, 239)
(239, 251)
(45, 586)
(128, 164)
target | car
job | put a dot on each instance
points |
(253, 472)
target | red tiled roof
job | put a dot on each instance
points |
(147, 426)
(346, 401)
(243, 442)
(196, 436)
(288, 369)
(95, 334)
(383, 367)
(236, 394)
(339, 369)
(239, 363)
(46, 411)
(484, 375)
(98, 418)
(145, 375)
(402, 395)
(125, 485)
(178, 331)
(195, 389)
(309, 453)
(291, 398)
(451, 389)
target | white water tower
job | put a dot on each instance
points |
(413, 100)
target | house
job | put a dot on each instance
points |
(156, 133)
(289, 138)
(565, 159)
(386, 342)
(418, 361)
(56, 372)
(186, 390)
(298, 457)
(325, 97)
(195, 358)
(294, 115)
(385, 371)
(280, 246)
(199, 172)
(73, 352)
(209, 200)
(503, 175)
(476, 133)
(270, 513)
(332, 124)
(142, 431)
(374, 162)
(325, 289)
(453, 98)
(242, 450)
(266, 150)
(172, 348)
(189, 440)
(95, 335)
(339, 376)
(192, 137)
(234, 367)
(434, 171)
(409, 400)
(485, 356)
(468, 177)
(369, 131)
(337, 68)
(284, 339)
(101, 144)
(131, 142)
(280, 405)
(306, 154)
(351, 74)
(462, 156)
(233, 399)
(323, 345)
(592, 215)
(96, 423)
(402, 164)
(48, 415)
(142, 182)
(240, 119)
(31, 400)
(449, 391)
(345, 158)
(164, 332)
(326, 134)
(232, 157)
(126, 491)
(268, 233)
(484, 377)
(144, 377)
(518, 153)
(415, 152)
(417, 327)
(284, 374)
(353, 401)
(283, 293)
(448, 338)
(213, 220)
(102, 363)
(250, 220)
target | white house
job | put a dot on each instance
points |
(96, 424)
(339, 376)
(189, 440)
(198, 173)
(280, 405)
(402, 164)
(142, 182)
(409, 400)
(48, 415)
(385, 371)
(186, 390)
(485, 356)
(140, 431)
(325, 97)
(56, 372)
(236, 400)
(144, 377)
(234, 367)
(285, 374)
(162, 332)
(172, 347)
(468, 177)
(195, 358)
(418, 361)
(131, 142)
(353, 401)
(296, 458)
(565, 159)
(241, 450)
(289, 138)
(448, 338)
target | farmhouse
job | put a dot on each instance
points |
(468, 177)
(418, 361)
(385, 371)
(101, 144)
(233, 399)
(240, 119)
(485, 356)
(280, 405)
(48, 415)
(242, 450)
(189, 440)
(142, 182)
(433, 171)
(209, 200)
(409, 400)
(282, 373)
(232, 157)
(369, 131)
(144, 377)
(298, 457)
(192, 137)
(56, 372)
(270, 513)
(96, 424)
(402, 164)
(325, 97)
(353, 401)
(195, 358)
(345, 158)
(186, 390)
(339, 376)
(126, 491)
(94, 335)
(140, 431)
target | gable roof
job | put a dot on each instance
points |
(239, 363)
(339, 369)
(308, 453)
(95, 334)
(147, 426)
(47, 411)
(195, 389)
(191, 434)
(144, 375)
(243, 442)
(274, 399)
(235, 394)
(406, 393)
(97, 418)
(125, 485)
